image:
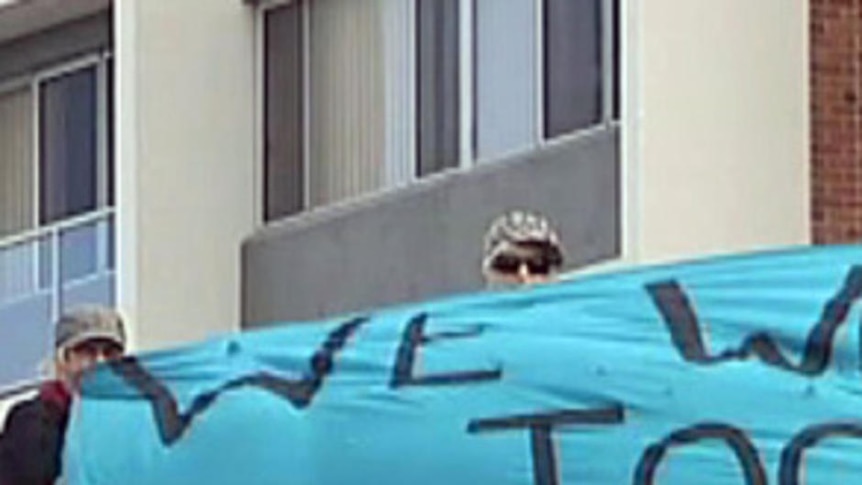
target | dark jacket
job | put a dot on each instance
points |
(31, 445)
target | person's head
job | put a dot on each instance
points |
(521, 248)
(83, 338)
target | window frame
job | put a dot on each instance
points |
(409, 166)
(33, 83)
(608, 70)
(99, 62)
(260, 109)
(467, 119)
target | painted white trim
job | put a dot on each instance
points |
(631, 136)
(601, 267)
(466, 68)
(576, 134)
(269, 4)
(87, 218)
(539, 73)
(808, 130)
(306, 105)
(24, 80)
(71, 283)
(55, 240)
(550, 142)
(258, 113)
(58, 70)
(126, 159)
(101, 134)
(53, 234)
(412, 97)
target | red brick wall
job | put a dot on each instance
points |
(836, 117)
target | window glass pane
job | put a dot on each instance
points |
(86, 272)
(18, 275)
(16, 162)
(283, 105)
(25, 338)
(347, 96)
(438, 85)
(99, 290)
(79, 251)
(67, 145)
(505, 76)
(572, 65)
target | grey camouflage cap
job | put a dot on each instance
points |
(520, 227)
(89, 323)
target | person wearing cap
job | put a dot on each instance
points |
(521, 248)
(32, 440)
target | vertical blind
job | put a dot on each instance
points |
(17, 181)
(347, 110)
(400, 91)
(16, 162)
(362, 94)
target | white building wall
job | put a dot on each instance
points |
(187, 188)
(716, 113)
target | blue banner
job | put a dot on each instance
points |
(735, 370)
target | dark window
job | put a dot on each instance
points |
(437, 85)
(283, 111)
(68, 145)
(572, 65)
(616, 27)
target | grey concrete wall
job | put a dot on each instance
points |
(58, 44)
(425, 240)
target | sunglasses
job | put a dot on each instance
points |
(97, 347)
(510, 264)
